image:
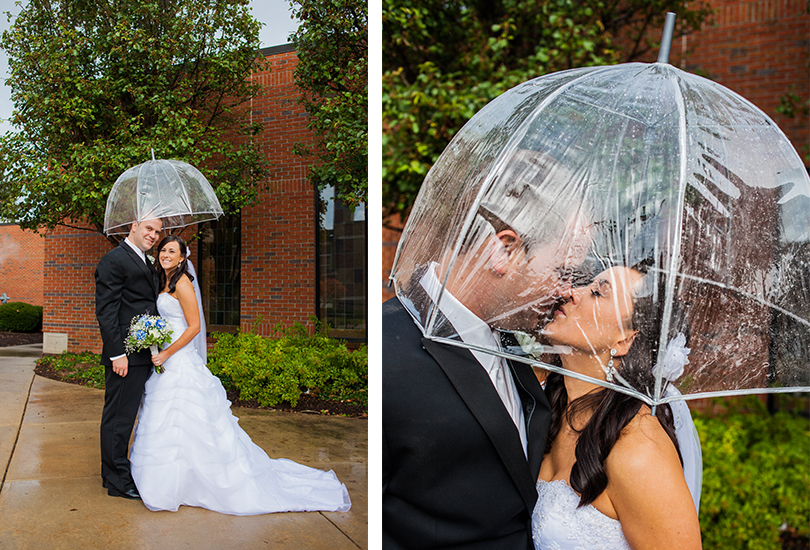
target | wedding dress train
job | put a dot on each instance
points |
(189, 448)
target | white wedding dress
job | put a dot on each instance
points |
(557, 523)
(189, 448)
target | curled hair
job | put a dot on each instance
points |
(611, 411)
(182, 267)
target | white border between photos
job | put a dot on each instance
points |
(374, 268)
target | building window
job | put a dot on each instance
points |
(342, 273)
(220, 273)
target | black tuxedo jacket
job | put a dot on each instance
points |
(125, 288)
(454, 471)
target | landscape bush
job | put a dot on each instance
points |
(756, 477)
(280, 369)
(20, 317)
(84, 368)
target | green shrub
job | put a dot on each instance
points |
(84, 367)
(274, 370)
(20, 317)
(756, 477)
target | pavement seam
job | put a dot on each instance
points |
(344, 533)
(17, 437)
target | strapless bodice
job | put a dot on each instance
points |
(558, 524)
(170, 309)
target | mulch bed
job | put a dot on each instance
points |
(19, 338)
(792, 541)
(306, 404)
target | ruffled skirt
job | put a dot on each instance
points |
(190, 450)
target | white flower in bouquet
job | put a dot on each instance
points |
(148, 331)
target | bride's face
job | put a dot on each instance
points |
(596, 317)
(169, 256)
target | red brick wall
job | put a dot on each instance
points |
(761, 50)
(69, 287)
(21, 268)
(278, 235)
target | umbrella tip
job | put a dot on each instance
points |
(666, 38)
(153, 155)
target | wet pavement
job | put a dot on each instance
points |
(51, 494)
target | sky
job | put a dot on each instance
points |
(278, 25)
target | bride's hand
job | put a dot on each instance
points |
(160, 358)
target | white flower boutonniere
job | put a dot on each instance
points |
(151, 259)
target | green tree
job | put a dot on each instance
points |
(96, 84)
(444, 60)
(332, 72)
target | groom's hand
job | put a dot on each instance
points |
(120, 366)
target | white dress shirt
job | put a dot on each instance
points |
(140, 252)
(473, 330)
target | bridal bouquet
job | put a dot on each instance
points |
(148, 331)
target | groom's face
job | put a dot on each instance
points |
(535, 280)
(145, 234)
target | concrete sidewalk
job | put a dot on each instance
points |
(50, 485)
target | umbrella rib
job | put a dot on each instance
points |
(669, 293)
(628, 391)
(185, 194)
(742, 293)
(730, 393)
(534, 362)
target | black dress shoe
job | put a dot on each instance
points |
(104, 483)
(131, 493)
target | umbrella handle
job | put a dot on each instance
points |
(666, 38)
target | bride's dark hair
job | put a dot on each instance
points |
(182, 267)
(611, 411)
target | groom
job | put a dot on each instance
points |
(126, 287)
(464, 432)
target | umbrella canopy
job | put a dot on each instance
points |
(631, 165)
(171, 190)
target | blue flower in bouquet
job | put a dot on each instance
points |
(147, 331)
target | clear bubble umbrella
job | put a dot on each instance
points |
(627, 165)
(171, 190)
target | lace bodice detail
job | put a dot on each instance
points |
(557, 523)
(170, 309)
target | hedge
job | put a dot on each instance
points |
(756, 477)
(275, 370)
(20, 317)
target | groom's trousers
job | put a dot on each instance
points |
(122, 397)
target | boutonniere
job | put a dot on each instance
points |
(151, 259)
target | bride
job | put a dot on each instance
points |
(612, 476)
(188, 447)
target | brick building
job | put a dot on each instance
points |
(278, 263)
(21, 257)
(759, 49)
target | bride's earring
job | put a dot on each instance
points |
(610, 370)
